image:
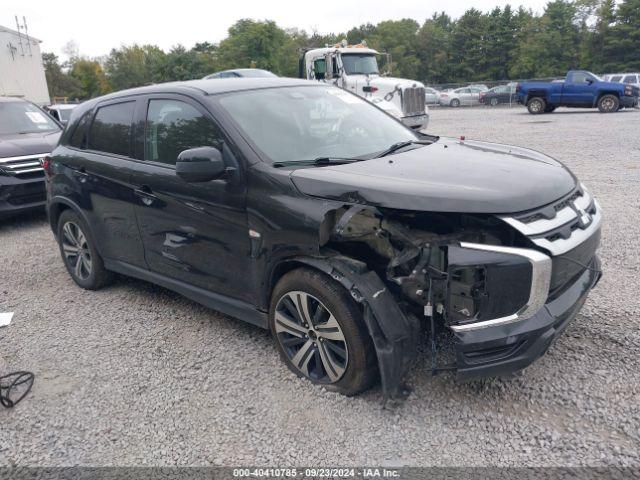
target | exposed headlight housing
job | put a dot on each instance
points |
(491, 285)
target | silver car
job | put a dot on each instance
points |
(627, 78)
(431, 96)
(461, 96)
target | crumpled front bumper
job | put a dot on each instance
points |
(504, 349)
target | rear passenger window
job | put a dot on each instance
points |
(174, 126)
(78, 138)
(616, 78)
(111, 129)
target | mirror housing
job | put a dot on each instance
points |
(328, 61)
(201, 164)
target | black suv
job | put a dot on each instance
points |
(27, 135)
(301, 208)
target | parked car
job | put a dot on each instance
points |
(431, 96)
(580, 89)
(61, 111)
(306, 210)
(460, 96)
(242, 72)
(499, 94)
(27, 135)
(626, 78)
(479, 86)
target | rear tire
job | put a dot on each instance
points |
(454, 103)
(536, 105)
(494, 102)
(549, 109)
(320, 332)
(608, 103)
(79, 253)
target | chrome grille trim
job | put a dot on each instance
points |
(413, 101)
(578, 216)
(538, 294)
(23, 164)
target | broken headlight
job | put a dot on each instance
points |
(490, 285)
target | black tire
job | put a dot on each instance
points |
(86, 267)
(454, 103)
(536, 105)
(549, 109)
(353, 372)
(608, 103)
(494, 102)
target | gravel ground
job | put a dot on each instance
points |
(137, 375)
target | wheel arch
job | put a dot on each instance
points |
(602, 93)
(57, 205)
(393, 332)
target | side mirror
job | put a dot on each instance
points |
(328, 61)
(589, 81)
(200, 164)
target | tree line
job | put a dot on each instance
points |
(504, 43)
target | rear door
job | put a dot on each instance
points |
(193, 232)
(102, 173)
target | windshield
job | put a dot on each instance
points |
(358, 63)
(305, 123)
(23, 117)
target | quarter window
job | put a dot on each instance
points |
(174, 126)
(78, 138)
(111, 129)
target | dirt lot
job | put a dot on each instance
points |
(137, 375)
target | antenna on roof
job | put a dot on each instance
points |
(26, 32)
(19, 36)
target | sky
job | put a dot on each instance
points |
(97, 27)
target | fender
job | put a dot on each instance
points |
(73, 206)
(394, 334)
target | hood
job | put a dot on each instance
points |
(389, 83)
(28, 143)
(447, 176)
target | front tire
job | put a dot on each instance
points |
(536, 105)
(454, 103)
(79, 252)
(320, 333)
(494, 102)
(608, 103)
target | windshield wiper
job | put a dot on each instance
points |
(399, 145)
(318, 161)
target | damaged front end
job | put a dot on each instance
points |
(469, 278)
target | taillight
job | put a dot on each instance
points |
(46, 165)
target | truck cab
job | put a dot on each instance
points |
(355, 69)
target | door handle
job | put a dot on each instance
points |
(81, 174)
(145, 194)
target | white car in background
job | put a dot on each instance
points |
(465, 96)
(431, 96)
(627, 78)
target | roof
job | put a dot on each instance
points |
(215, 86)
(344, 50)
(63, 106)
(21, 34)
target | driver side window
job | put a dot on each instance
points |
(174, 126)
(319, 68)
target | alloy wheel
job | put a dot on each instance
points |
(76, 250)
(608, 104)
(311, 337)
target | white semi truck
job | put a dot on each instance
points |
(355, 69)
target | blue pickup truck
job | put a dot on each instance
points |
(579, 89)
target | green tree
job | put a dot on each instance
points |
(260, 44)
(469, 46)
(90, 77)
(621, 44)
(60, 84)
(434, 49)
(133, 66)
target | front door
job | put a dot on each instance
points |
(193, 232)
(577, 89)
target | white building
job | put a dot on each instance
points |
(21, 69)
